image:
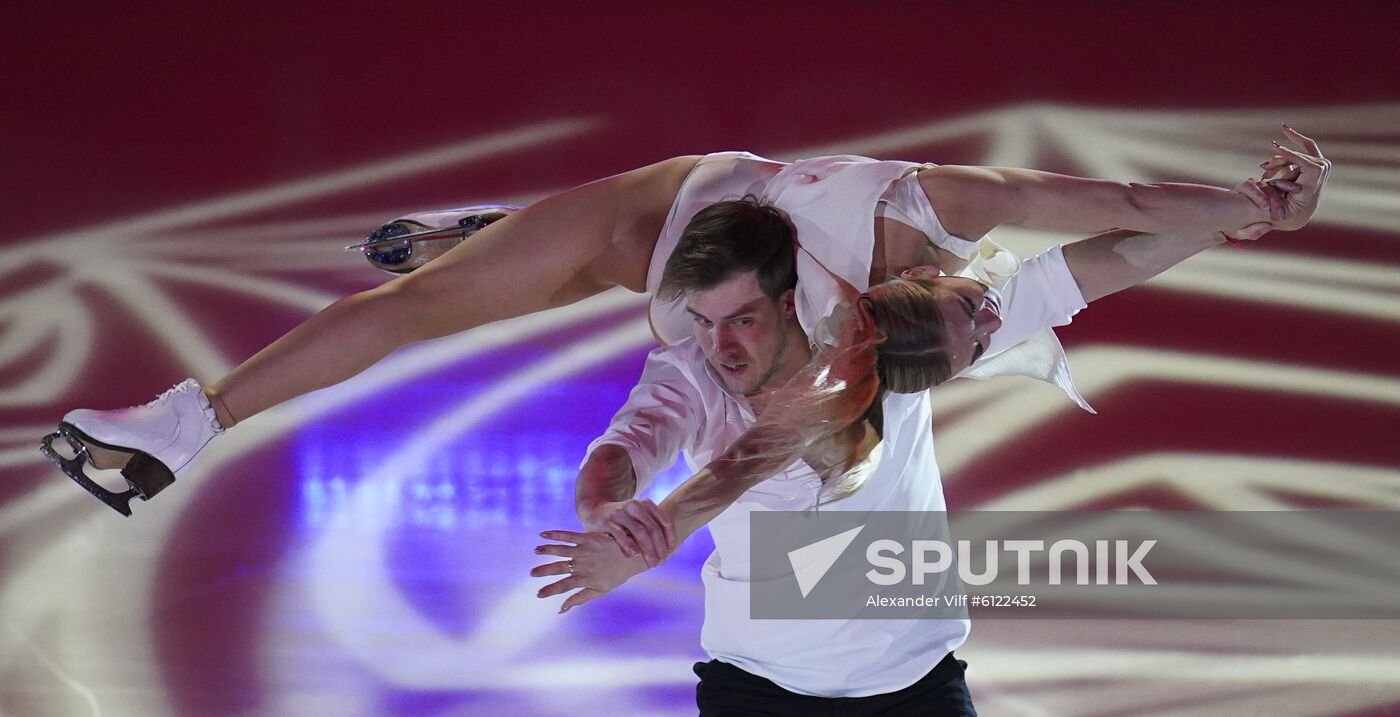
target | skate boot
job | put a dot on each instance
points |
(151, 444)
(412, 241)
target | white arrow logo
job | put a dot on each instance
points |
(810, 562)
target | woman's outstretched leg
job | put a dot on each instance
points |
(557, 251)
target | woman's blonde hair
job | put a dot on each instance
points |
(912, 355)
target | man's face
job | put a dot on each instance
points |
(743, 333)
(971, 313)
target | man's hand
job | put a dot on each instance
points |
(638, 526)
(1300, 175)
(594, 565)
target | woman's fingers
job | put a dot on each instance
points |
(563, 551)
(1310, 160)
(1300, 160)
(563, 567)
(595, 564)
(560, 586)
(1251, 232)
(1275, 165)
(1303, 141)
(579, 598)
(1266, 201)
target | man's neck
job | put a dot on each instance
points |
(798, 352)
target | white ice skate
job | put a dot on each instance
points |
(151, 444)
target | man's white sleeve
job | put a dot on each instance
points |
(659, 420)
(1042, 294)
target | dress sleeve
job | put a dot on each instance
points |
(660, 419)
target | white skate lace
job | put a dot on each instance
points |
(190, 384)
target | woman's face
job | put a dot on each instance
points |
(970, 310)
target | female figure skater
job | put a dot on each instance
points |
(861, 219)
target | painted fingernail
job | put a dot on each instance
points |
(563, 610)
(1276, 144)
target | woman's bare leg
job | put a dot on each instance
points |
(557, 251)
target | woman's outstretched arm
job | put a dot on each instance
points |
(971, 201)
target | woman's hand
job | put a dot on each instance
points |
(1299, 176)
(594, 566)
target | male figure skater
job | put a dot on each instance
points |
(726, 399)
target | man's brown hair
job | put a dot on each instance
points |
(730, 237)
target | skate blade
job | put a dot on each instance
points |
(145, 475)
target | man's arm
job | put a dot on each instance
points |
(658, 421)
(606, 477)
(603, 498)
(1117, 260)
(594, 562)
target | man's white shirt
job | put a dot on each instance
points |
(680, 406)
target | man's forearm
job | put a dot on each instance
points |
(606, 477)
(1114, 261)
